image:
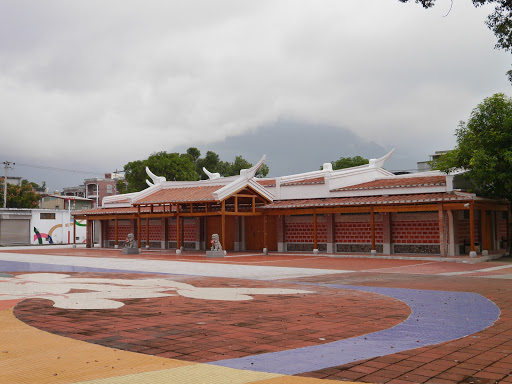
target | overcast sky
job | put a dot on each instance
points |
(91, 85)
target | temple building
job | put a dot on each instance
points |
(364, 209)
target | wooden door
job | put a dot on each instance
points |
(254, 236)
(214, 225)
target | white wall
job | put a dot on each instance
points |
(57, 225)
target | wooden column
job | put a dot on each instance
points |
(178, 227)
(223, 229)
(508, 228)
(315, 231)
(116, 233)
(147, 232)
(265, 245)
(483, 230)
(372, 225)
(442, 236)
(165, 233)
(74, 232)
(472, 225)
(139, 232)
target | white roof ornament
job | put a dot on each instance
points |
(211, 176)
(249, 173)
(156, 179)
(327, 167)
(379, 163)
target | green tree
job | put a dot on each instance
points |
(213, 164)
(19, 196)
(172, 166)
(484, 148)
(194, 154)
(348, 162)
(500, 21)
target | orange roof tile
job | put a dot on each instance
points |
(112, 211)
(180, 195)
(316, 180)
(367, 200)
(266, 182)
(398, 183)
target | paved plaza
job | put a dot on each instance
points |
(96, 316)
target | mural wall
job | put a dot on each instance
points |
(55, 227)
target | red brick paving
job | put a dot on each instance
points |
(232, 329)
(484, 357)
(206, 330)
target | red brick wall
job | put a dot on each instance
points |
(358, 232)
(462, 228)
(123, 229)
(155, 230)
(357, 229)
(502, 226)
(415, 228)
(300, 229)
(190, 230)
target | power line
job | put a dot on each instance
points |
(58, 169)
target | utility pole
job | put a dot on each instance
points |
(7, 164)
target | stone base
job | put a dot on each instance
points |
(215, 253)
(131, 251)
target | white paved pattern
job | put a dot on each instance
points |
(174, 267)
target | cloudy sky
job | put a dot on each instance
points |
(91, 85)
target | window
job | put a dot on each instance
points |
(47, 216)
(109, 188)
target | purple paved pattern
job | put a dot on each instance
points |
(436, 317)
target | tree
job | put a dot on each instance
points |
(484, 148)
(348, 162)
(19, 196)
(500, 21)
(194, 153)
(172, 166)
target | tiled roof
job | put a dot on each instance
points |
(180, 195)
(113, 211)
(398, 182)
(316, 180)
(266, 182)
(367, 200)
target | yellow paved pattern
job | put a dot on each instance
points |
(29, 355)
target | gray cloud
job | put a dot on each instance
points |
(104, 83)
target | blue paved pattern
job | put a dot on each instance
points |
(436, 317)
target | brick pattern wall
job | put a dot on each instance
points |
(190, 230)
(155, 230)
(463, 231)
(122, 231)
(416, 232)
(501, 224)
(358, 232)
(301, 230)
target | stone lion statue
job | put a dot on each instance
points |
(130, 242)
(216, 245)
